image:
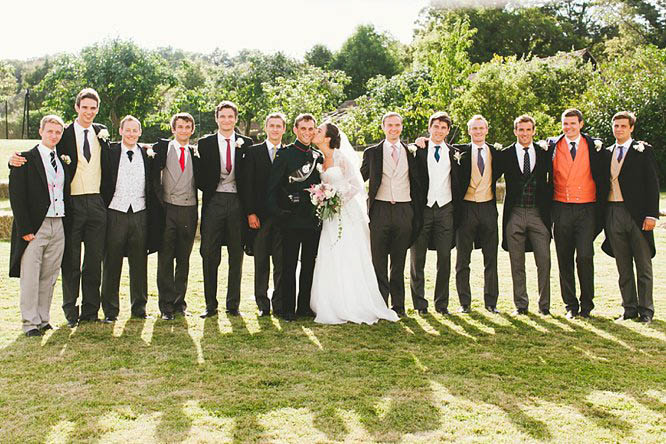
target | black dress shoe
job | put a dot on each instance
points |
(423, 311)
(88, 320)
(545, 312)
(109, 320)
(570, 314)
(264, 313)
(43, 328)
(208, 314)
(287, 317)
(520, 311)
(492, 309)
(33, 332)
(443, 311)
(233, 312)
(400, 313)
(464, 309)
(585, 314)
(181, 313)
(306, 314)
(141, 316)
(72, 324)
(644, 319)
(626, 317)
(167, 317)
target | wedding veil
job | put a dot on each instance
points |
(354, 162)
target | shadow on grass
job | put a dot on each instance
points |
(373, 382)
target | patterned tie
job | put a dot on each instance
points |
(573, 150)
(86, 145)
(182, 158)
(129, 155)
(394, 153)
(228, 156)
(479, 161)
(526, 162)
(53, 162)
(621, 153)
(437, 147)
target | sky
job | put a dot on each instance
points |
(290, 26)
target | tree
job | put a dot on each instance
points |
(311, 90)
(320, 56)
(366, 54)
(508, 87)
(129, 80)
(7, 80)
(633, 80)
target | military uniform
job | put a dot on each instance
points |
(293, 172)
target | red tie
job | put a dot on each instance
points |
(182, 159)
(228, 156)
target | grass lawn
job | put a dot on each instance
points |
(7, 148)
(479, 377)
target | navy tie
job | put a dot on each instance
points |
(53, 162)
(129, 155)
(619, 156)
(437, 147)
(479, 162)
(526, 162)
(573, 150)
(86, 145)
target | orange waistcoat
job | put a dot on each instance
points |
(573, 179)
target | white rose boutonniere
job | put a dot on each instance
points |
(497, 146)
(103, 134)
(458, 156)
(412, 149)
(543, 145)
(239, 142)
(195, 151)
(640, 147)
(598, 144)
(66, 159)
(150, 152)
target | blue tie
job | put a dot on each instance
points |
(619, 156)
(437, 147)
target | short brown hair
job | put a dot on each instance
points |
(276, 116)
(524, 119)
(129, 118)
(51, 118)
(572, 112)
(226, 104)
(182, 116)
(87, 93)
(305, 116)
(631, 117)
(442, 117)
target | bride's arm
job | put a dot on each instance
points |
(352, 183)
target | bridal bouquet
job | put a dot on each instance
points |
(327, 202)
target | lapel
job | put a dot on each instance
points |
(215, 163)
(628, 157)
(264, 157)
(39, 165)
(115, 163)
(379, 162)
(68, 143)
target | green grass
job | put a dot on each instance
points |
(477, 377)
(7, 148)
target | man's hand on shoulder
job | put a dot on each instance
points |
(421, 142)
(17, 160)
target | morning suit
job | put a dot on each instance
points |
(86, 219)
(395, 209)
(289, 203)
(127, 193)
(633, 195)
(223, 219)
(39, 197)
(477, 221)
(526, 218)
(577, 214)
(175, 221)
(267, 242)
(438, 172)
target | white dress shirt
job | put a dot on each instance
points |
(175, 146)
(55, 181)
(131, 183)
(625, 147)
(439, 175)
(475, 154)
(577, 141)
(520, 152)
(80, 135)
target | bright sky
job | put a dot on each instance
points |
(40, 27)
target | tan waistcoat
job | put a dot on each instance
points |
(615, 194)
(480, 187)
(395, 185)
(88, 175)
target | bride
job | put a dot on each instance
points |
(344, 285)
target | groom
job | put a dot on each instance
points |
(394, 207)
(294, 170)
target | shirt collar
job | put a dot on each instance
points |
(176, 145)
(45, 151)
(626, 144)
(271, 146)
(79, 129)
(519, 146)
(576, 140)
(432, 144)
(125, 148)
(221, 138)
(474, 145)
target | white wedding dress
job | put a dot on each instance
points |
(344, 287)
